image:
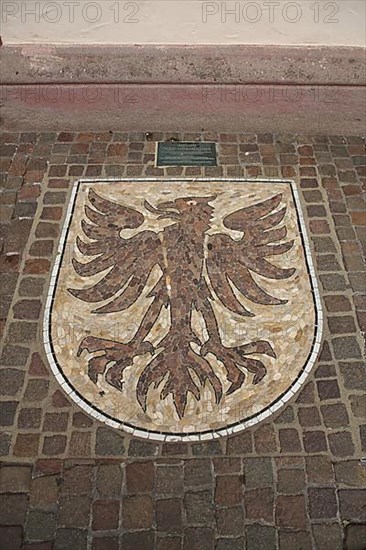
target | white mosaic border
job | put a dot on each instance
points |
(156, 436)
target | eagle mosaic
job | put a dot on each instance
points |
(183, 266)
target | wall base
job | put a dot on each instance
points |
(228, 88)
(223, 108)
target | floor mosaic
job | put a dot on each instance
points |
(175, 310)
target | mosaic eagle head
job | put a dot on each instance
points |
(188, 211)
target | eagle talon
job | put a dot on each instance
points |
(259, 375)
(233, 358)
(114, 359)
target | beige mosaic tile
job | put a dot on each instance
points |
(183, 307)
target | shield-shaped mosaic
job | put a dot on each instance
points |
(183, 309)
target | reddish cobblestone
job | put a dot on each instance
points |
(290, 512)
(26, 445)
(322, 503)
(54, 445)
(140, 477)
(258, 504)
(289, 440)
(105, 515)
(199, 471)
(228, 490)
(290, 481)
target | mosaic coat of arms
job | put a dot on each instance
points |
(183, 310)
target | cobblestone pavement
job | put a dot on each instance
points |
(295, 481)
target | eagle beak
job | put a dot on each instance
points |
(161, 209)
(167, 204)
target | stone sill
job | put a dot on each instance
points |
(167, 64)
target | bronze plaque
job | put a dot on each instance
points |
(185, 153)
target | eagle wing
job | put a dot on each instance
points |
(129, 261)
(231, 261)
